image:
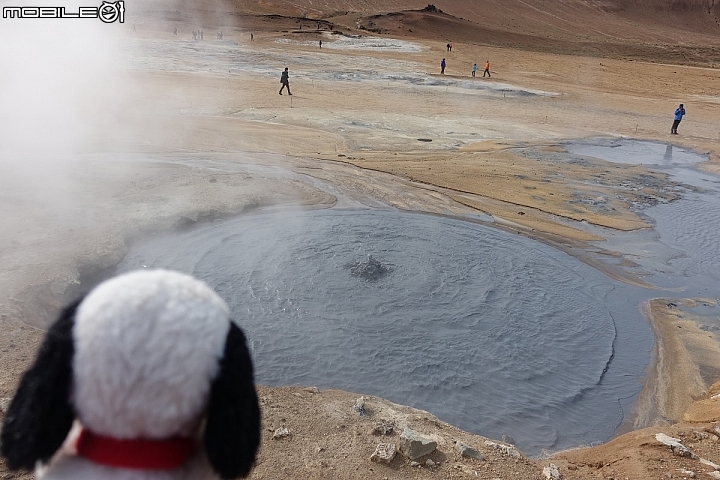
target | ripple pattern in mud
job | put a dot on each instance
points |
(690, 226)
(490, 331)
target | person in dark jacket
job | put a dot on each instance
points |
(679, 112)
(442, 66)
(285, 81)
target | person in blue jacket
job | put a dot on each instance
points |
(442, 66)
(679, 112)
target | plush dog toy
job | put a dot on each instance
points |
(158, 378)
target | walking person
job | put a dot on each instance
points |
(487, 69)
(442, 67)
(285, 81)
(474, 69)
(679, 112)
(321, 44)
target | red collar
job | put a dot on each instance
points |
(141, 454)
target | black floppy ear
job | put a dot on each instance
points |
(40, 414)
(232, 429)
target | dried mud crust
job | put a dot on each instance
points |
(600, 193)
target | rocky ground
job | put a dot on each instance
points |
(334, 434)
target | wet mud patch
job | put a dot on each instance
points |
(634, 152)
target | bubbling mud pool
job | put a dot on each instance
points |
(488, 330)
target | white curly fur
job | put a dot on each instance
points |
(147, 347)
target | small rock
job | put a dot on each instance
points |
(714, 474)
(551, 472)
(413, 445)
(311, 390)
(504, 449)
(384, 453)
(281, 433)
(677, 448)
(383, 428)
(467, 451)
(710, 464)
(359, 406)
(429, 463)
(414, 464)
(688, 473)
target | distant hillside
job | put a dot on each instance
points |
(583, 18)
(643, 39)
(681, 31)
